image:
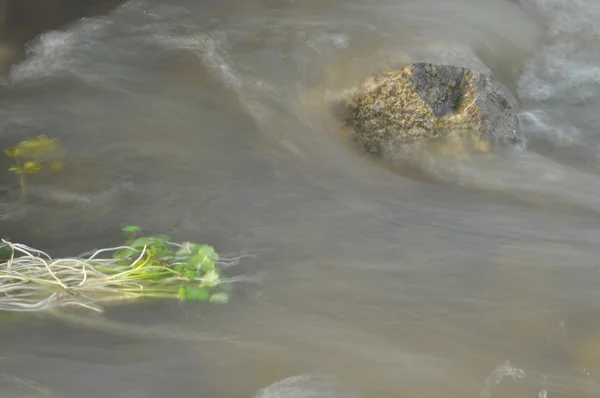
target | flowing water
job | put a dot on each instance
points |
(472, 276)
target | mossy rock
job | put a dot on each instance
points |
(396, 110)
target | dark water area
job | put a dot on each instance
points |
(461, 276)
(23, 20)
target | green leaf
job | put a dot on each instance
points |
(186, 249)
(150, 241)
(165, 237)
(211, 278)
(201, 261)
(124, 253)
(5, 252)
(208, 266)
(179, 268)
(161, 252)
(209, 251)
(219, 298)
(192, 293)
(131, 229)
(191, 274)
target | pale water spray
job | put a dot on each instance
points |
(58, 53)
(501, 371)
(305, 386)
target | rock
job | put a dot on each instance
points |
(394, 111)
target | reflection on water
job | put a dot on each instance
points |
(461, 276)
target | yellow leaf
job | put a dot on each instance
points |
(11, 153)
(34, 148)
(15, 169)
(32, 167)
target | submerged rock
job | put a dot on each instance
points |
(392, 112)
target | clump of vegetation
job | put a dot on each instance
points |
(145, 267)
(31, 156)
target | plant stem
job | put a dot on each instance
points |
(23, 186)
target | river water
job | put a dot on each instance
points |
(461, 276)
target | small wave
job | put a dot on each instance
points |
(24, 384)
(577, 381)
(560, 87)
(567, 71)
(503, 370)
(56, 52)
(208, 47)
(249, 90)
(567, 65)
(539, 122)
(574, 17)
(304, 386)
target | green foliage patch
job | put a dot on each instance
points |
(146, 266)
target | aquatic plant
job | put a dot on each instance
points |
(31, 156)
(145, 267)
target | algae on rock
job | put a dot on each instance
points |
(394, 111)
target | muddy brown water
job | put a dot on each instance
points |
(469, 276)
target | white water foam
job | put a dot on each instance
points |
(60, 52)
(304, 386)
(538, 121)
(503, 370)
(573, 17)
(567, 66)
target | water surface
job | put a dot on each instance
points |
(459, 277)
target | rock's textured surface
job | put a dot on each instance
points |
(392, 111)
